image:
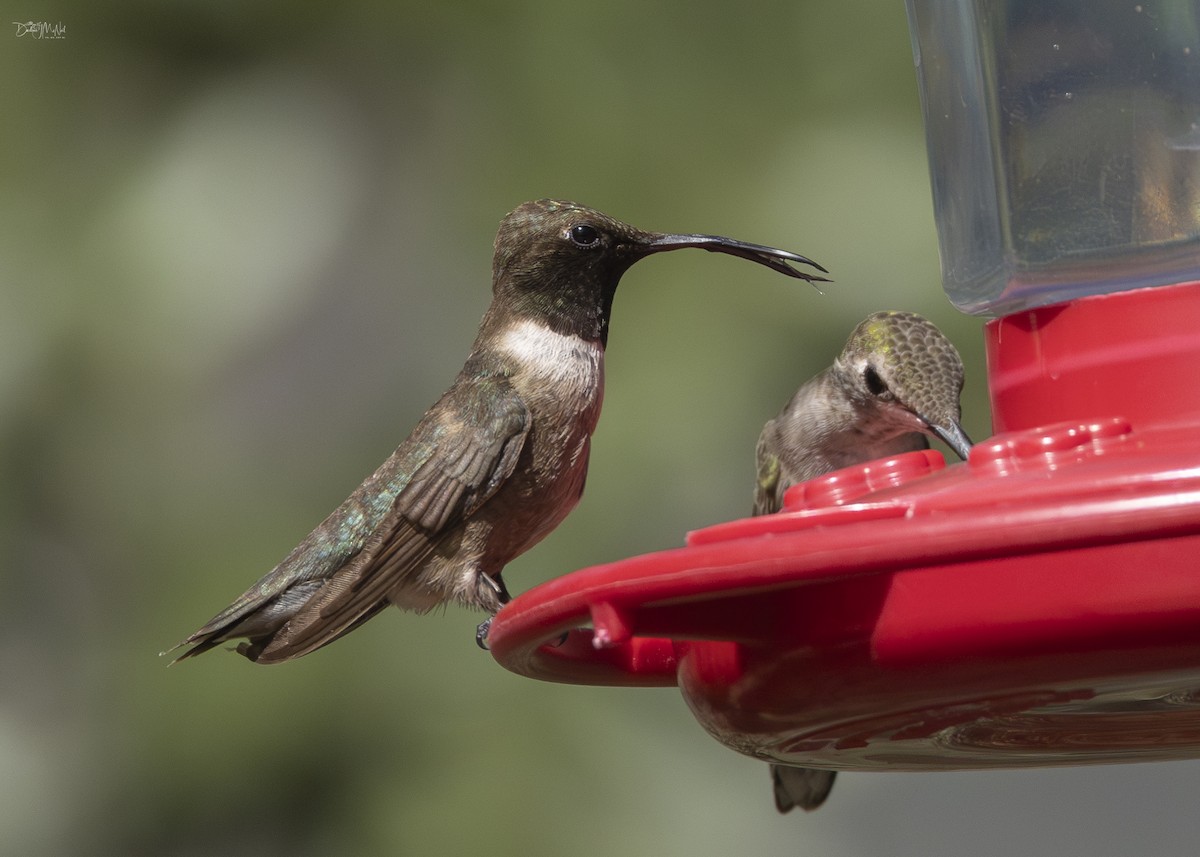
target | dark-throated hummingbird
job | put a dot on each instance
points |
(897, 381)
(497, 462)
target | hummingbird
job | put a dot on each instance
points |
(493, 466)
(896, 382)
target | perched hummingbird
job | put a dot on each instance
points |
(493, 466)
(897, 380)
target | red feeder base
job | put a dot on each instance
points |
(1037, 605)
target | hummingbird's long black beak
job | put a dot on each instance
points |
(954, 436)
(777, 260)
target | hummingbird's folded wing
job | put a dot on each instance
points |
(471, 449)
(767, 497)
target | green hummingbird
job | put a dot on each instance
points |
(897, 381)
(497, 462)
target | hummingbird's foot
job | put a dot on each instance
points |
(481, 633)
(496, 582)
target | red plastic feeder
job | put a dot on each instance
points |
(1040, 603)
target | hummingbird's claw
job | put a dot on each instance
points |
(481, 633)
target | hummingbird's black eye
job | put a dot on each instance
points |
(875, 385)
(584, 235)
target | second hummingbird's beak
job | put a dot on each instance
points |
(777, 260)
(954, 436)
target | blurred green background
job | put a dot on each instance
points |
(244, 246)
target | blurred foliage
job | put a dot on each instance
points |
(244, 246)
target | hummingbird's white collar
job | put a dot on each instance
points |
(547, 354)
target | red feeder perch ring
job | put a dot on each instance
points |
(1037, 605)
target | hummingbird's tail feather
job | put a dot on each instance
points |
(253, 650)
(806, 788)
(256, 615)
(355, 593)
(190, 653)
